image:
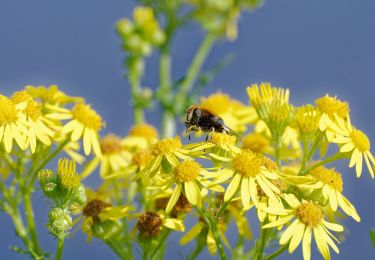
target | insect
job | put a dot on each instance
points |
(198, 119)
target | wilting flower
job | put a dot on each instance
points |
(308, 219)
(351, 141)
(84, 123)
(150, 224)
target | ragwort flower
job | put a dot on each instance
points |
(308, 219)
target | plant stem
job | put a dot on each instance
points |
(160, 246)
(59, 250)
(329, 159)
(276, 146)
(115, 248)
(261, 243)
(135, 87)
(277, 252)
(219, 244)
(30, 220)
(304, 156)
(193, 71)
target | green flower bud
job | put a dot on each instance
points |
(78, 199)
(124, 28)
(47, 181)
(106, 229)
(59, 222)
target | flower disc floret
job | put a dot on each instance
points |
(94, 207)
(247, 164)
(309, 214)
(360, 140)
(332, 105)
(8, 111)
(223, 139)
(166, 146)
(87, 116)
(187, 171)
(329, 177)
(111, 144)
(149, 224)
(217, 103)
(255, 142)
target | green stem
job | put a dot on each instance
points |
(135, 87)
(315, 145)
(329, 159)
(193, 71)
(219, 244)
(277, 252)
(116, 248)
(30, 220)
(160, 245)
(261, 244)
(304, 156)
(276, 146)
(59, 250)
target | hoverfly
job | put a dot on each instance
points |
(198, 119)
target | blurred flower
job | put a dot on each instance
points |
(51, 95)
(329, 106)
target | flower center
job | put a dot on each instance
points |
(144, 130)
(166, 146)
(309, 214)
(332, 105)
(142, 158)
(33, 109)
(94, 207)
(247, 163)
(149, 224)
(329, 177)
(269, 164)
(307, 119)
(360, 140)
(87, 116)
(217, 103)
(255, 142)
(8, 112)
(187, 171)
(223, 139)
(111, 144)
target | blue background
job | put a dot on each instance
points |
(312, 47)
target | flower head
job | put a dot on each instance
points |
(309, 219)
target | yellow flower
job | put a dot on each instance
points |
(249, 170)
(264, 94)
(84, 123)
(256, 142)
(140, 137)
(234, 114)
(329, 182)
(150, 224)
(351, 141)
(188, 177)
(113, 161)
(12, 124)
(36, 123)
(307, 119)
(166, 153)
(329, 106)
(51, 95)
(309, 219)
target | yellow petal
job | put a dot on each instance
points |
(173, 199)
(306, 244)
(191, 234)
(232, 187)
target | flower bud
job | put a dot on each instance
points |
(47, 182)
(60, 221)
(106, 229)
(124, 28)
(78, 199)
